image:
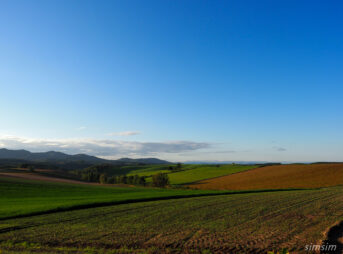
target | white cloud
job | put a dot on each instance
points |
(102, 148)
(81, 128)
(125, 133)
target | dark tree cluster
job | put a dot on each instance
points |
(90, 175)
(124, 179)
(177, 167)
(160, 180)
(93, 174)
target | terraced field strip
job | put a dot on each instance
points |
(278, 177)
(241, 223)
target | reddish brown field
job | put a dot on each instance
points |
(278, 177)
(38, 177)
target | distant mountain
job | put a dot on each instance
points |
(144, 161)
(52, 156)
(47, 156)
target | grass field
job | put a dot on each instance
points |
(240, 223)
(277, 177)
(194, 173)
(21, 197)
(146, 170)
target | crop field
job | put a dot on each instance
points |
(21, 197)
(194, 173)
(278, 177)
(237, 223)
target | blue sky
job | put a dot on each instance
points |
(179, 80)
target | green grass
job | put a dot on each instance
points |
(240, 223)
(147, 170)
(21, 197)
(194, 173)
(189, 173)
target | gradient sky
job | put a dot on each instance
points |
(178, 80)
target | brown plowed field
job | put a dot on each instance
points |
(278, 177)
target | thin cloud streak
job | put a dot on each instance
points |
(81, 128)
(125, 133)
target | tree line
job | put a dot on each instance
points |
(93, 174)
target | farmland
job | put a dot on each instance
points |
(23, 197)
(277, 177)
(193, 173)
(178, 174)
(249, 217)
(240, 223)
(146, 170)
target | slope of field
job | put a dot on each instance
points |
(146, 170)
(23, 197)
(241, 223)
(195, 173)
(278, 177)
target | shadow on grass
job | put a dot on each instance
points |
(333, 236)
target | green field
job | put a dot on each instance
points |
(22, 197)
(194, 173)
(240, 223)
(146, 170)
(187, 173)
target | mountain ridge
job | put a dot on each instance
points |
(21, 154)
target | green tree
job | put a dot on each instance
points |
(118, 179)
(31, 168)
(103, 179)
(160, 180)
(123, 179)
(142, 180)
(136, 179)
(111, 180)
(23, 165)
(130, 180)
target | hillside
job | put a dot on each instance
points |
(279, 177)
(60, 160)
(46, 156)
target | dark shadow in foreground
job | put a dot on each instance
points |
(333, 236)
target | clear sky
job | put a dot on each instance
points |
(178, 80)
